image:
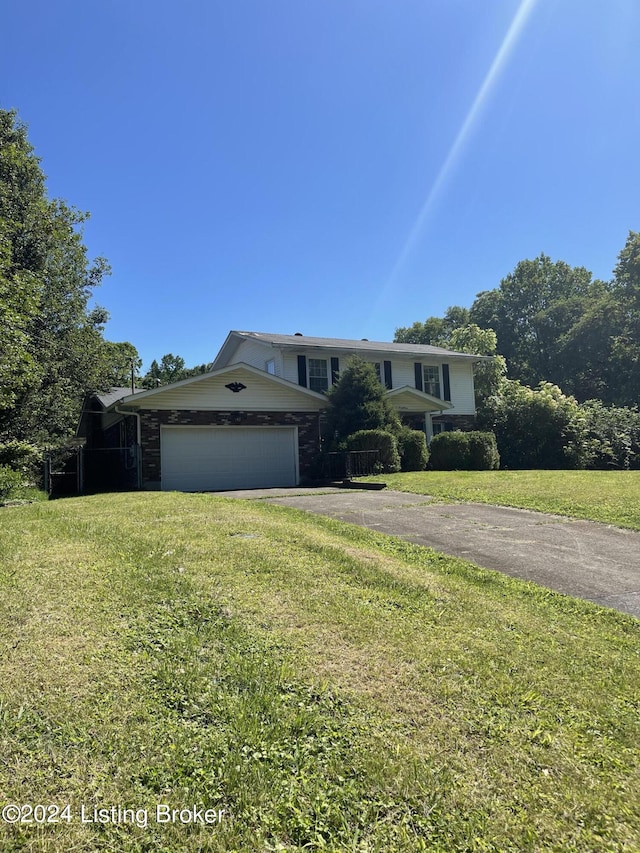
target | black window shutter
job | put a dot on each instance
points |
(418, 369)
(302, 370)
(335, 369)
(387, 374)
(446, 382)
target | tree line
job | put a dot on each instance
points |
(52, 346)
(563, 386)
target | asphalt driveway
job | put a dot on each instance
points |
(585, 559)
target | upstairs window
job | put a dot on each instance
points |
(431, 378)
(318, 374)
(271, 366)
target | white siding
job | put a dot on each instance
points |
(460, 379)
(403, 373)
(290, 361)
(402, 370)
(255, 353)
(462, 394)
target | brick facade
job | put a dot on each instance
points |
(152, 420)
(462, 422)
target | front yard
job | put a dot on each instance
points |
(314, 685)
(612, 497)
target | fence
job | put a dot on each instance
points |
(97, 469)
(353, 463)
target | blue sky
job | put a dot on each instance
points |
(334, 167)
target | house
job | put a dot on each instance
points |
(255, 419)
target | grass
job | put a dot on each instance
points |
(612, 497)
(327, 687)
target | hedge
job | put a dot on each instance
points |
(382, 441)
(414, 453)
(464, 451)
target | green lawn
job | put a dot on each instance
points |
(323, 686)
(609, 496)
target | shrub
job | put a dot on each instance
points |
(21, 456)
(536, 428)
(412, 445)
(10, 481)
(448, 451)
(613, 435)
(382, 441)
(464, 451)
(482, 451)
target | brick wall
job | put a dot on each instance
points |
(152, 420)
(463, 422)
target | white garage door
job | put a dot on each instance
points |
(200, 459)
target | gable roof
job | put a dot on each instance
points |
(406, 393)
(139, 398)
(303, 342)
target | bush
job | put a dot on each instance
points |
(483, 451)
(464, 451)
(536, 428)
(382, 441)
(21, 456)
(412, 445)
(448, 451)
(10, 481)
(613, 435)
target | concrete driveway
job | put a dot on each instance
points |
(581, 558)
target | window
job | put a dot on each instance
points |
(318, 374)
(271, 366)
(377, 366)
(431, 376)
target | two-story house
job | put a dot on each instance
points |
(255, 420)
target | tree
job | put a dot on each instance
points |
(358, 401)
(456, 333)
(626, 344)
(530, 310)
(435, 331)
(171, 369)
(120, 360)
(52, 350)
(22, 254)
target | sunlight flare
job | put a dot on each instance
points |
(488, 84)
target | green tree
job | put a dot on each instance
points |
(23, 224)
(626, 344)
(455, 332)
(531, 309)
(358, 401)
(435, 331)
(120, 360)
(170, 369)
(52, 350)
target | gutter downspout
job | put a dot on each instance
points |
(123, 410)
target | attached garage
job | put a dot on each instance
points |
(195, 458)
(238, 427)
